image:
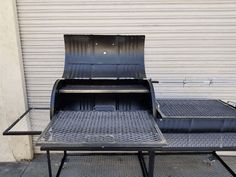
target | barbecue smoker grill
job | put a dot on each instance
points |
(105, 103)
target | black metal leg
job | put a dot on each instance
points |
(224, 164)
(49, 164)
(146, 173)
(142, 164)
(150, 171)
(151, 163)
(61, 165)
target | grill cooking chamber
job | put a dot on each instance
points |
(103, 95)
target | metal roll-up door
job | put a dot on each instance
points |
(189, 47)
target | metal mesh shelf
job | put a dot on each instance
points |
(181, 108)
(200, 140)
(130, 128)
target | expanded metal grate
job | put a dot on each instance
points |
(195, 108)
(90, 127)
(200, 140)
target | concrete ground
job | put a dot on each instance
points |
(121, 166)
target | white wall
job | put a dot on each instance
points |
(12, 98)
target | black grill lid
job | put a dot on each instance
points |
(104, 56)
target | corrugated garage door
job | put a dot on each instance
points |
(190, 45)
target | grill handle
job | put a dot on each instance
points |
(155, 82)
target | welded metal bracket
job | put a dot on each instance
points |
(10, 132)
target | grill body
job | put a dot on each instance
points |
(104, 99)
(104, 85)
(103, 113)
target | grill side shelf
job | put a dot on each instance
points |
(10, 132)
(195, 108)
(195, 116)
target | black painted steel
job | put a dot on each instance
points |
(61, 164)
(104, 103)
(199, 141)
(151, 162)
(206, 164)
(148, 171)
(49, 164)
(197, 125)
(121, 95)
(224, 164)
(118, 116)
(142, 164)
(94, 56)
(194, 108)
(191, 165)
(11, 132)
(102, 129)
(195, 116)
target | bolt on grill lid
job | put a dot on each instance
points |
(104, 56)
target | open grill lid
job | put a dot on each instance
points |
(104, 56)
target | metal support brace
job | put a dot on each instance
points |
(142, 164)
(224, 164)
(151, 163)
(60, 167)
(150, 171)
(49, 164)
(146, 173)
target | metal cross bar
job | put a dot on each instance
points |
(9, 130)
(146, 173)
